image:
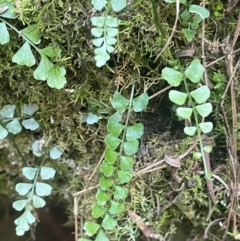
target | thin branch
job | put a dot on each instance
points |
(173, 31)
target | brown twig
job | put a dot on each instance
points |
(206, 79)
(231, 5)
(209, 226)
(76, 197)
(232, 134)
(147, 231)
(159, 92)
(84, 190)
(75, 213)
(209, 182)
(155, 165)
(221, 58)
(97, 166)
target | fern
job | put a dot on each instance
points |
(105, 29)
(116, 169)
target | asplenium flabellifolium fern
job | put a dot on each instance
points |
(191, 18)
(34, 192)
(105, 29)
(46, 70)
(194, 102)
(11, 125)
(122, 143)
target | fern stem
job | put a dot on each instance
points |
(11, 138)
(20, 34)
(207, 174)
(127, 119)
(36, 178)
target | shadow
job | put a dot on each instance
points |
(49, 227)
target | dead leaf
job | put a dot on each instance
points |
(141, 225)
(176, 177)
(174, 162)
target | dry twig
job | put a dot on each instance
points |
(231, 134)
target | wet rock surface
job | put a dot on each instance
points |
(50, 226)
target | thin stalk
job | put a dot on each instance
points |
(11, 138)
(107, 9)
(157, 22)
(127, 119)
(36, 177)
(20, 34)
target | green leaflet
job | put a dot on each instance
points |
(24, 56)
(5, 37)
